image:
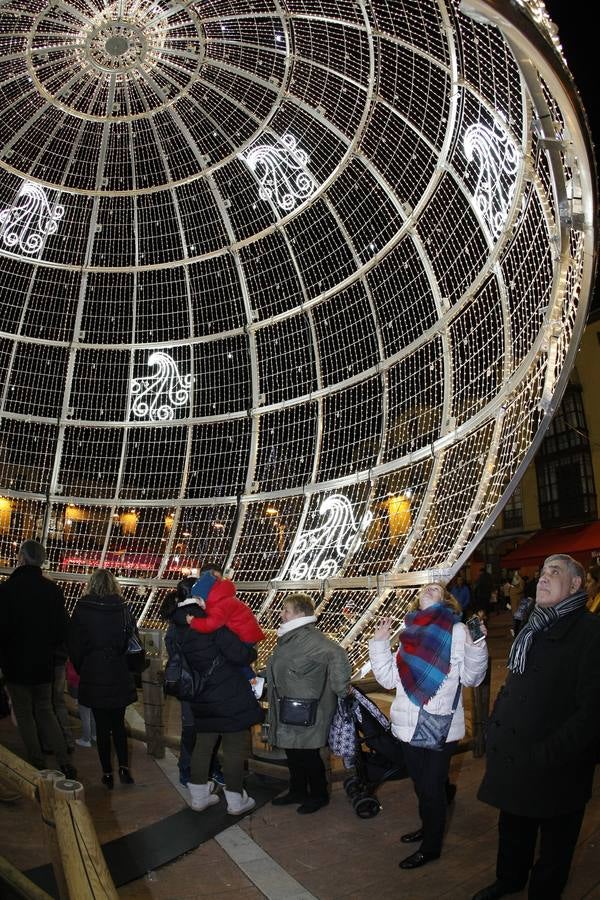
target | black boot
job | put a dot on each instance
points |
(496, 890)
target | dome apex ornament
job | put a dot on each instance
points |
(116, 46)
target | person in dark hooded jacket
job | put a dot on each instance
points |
(224, 707)
(98, 640)
(33, 626)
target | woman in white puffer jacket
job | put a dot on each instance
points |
(436, 655)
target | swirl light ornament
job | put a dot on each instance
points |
(320, 552)
(157, 397)
(309, 282)
(29, 220)
(281, 171)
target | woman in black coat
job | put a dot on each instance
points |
(225, 705)
(98, 638)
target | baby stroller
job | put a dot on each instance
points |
(362, 736)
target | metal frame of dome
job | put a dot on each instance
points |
(341, 250)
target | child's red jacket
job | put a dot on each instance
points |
(224, 608)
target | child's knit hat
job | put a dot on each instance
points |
(203, 585)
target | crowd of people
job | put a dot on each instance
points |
(544, 732)
(493, 594)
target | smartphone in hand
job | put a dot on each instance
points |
(474, 626)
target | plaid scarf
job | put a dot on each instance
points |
(542, 618)
(423, 657)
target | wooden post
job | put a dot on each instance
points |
(18, 774)
(19, 883)
(8, 793)
(154, 701)
(47, 778)
(86, 872)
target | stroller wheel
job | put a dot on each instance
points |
(352, 786)
(366, 807)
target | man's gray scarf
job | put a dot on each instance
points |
(542, 618)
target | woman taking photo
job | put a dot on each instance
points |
(435, 657)
(98, 639)
(224, 706)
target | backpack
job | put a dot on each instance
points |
(181, 680)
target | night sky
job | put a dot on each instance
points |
(577, 37)
(580, 46)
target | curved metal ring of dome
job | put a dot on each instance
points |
(292, 284)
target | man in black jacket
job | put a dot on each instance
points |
(33, 625)
(544, 737)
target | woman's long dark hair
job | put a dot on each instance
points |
(174, 598)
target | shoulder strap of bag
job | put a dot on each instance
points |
(326, 679)
(129, 626)
(457, 696)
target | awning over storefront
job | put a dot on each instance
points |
(579, 541)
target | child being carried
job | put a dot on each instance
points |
(218, 597)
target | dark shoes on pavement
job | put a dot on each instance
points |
(412, 837)
(124, 777)
(418, 859)
(496, 890)
(288, 799)
(312, 805)
(306, 805)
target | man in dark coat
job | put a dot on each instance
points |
(544, 737)
(33, 626)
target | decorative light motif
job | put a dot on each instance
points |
(498, 162)
(29, 220)
(320, 553)
(116, 45)
(156, 397)
(281, 172)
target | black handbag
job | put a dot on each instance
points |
(135, 652)
(432, 730)
(295, 711)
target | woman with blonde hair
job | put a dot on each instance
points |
(99, 634)
(435, 658)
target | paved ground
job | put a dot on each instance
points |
(277, 854)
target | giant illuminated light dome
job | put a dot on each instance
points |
(289, 284)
